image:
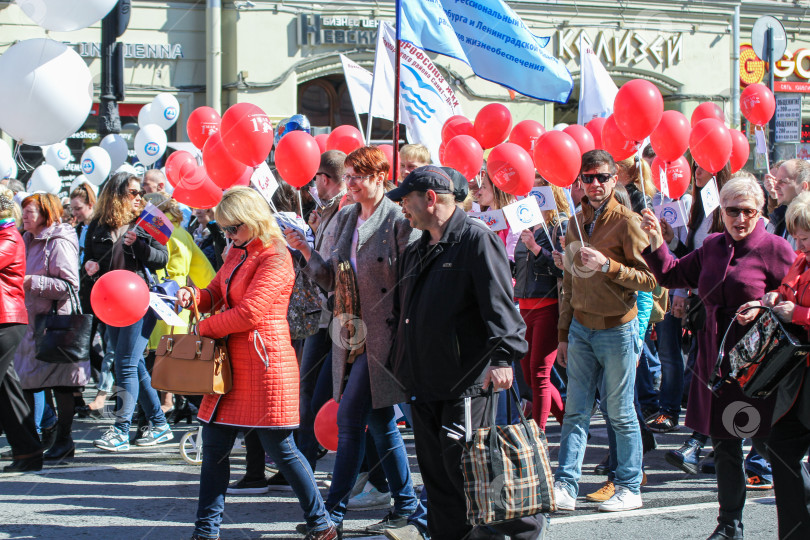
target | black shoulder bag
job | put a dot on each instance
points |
(63, 339)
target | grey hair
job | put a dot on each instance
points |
(742, 187)
(798, 213)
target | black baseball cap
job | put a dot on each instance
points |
(438, 179)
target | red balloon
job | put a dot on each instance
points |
(202, 122)
(247, 133)
(678, 175)
(511, 169)
(220, 165)
(388, 150)
(614, 141)
(345, 138)
(582, 136)
(757, 104)
(740, 149)
(119, 298)
(526, 133)
(457, 125)
(442, 150)
(638, 108)
(707, 110)
(711, 144)
(321, 140)
(558, 158)
(180, 165)
(671, 138)
(464, 154)
(298, 158)
(492, 125)
(203, 193)
(595, 127)
(326, 428)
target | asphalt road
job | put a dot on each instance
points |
(151, 493)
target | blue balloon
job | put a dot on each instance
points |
(297, 122)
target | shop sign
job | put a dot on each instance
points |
(171, 51)
(623, 48)
(320, 30)
(788, 118)
(753, 69)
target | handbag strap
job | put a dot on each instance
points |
(73, 298)
(194, 317)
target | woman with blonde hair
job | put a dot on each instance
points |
(249, 297)
(115, 243)
(636, 177)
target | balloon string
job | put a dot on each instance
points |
(19, 160)
(641, 175)
(767, 158)
(300, 205)
(579, 233)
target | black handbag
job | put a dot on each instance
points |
(766, 355)
(63, 339)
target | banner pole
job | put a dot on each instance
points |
(395, 165)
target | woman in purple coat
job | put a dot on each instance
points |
(729, 269)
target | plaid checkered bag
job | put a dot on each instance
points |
(506, 470)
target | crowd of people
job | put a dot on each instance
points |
(420, 308)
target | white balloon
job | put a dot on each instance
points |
(116, 146)
(45, 178)
(145, 115)
(150, 143)
(127, 168)
(559, 127)
(65, 15)
(46, 91)
(164, 110)
(79, 180)
(96, 164)
(57, 155)
(13, 172)
(6, 160)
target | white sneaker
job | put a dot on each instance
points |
(565, 501)
(359, 485)
(622, 500)
(370, 499)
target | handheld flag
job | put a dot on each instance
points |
(155, 222)
(597, 91)
(492, 39)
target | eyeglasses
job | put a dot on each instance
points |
(232, 229)
(355, 178)
(588, 178)
(733, 212)
(136, 193)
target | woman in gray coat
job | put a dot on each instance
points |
(362, 270)
(52, 267)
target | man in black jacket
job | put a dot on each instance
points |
(458, 333)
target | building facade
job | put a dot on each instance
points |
(284, 55)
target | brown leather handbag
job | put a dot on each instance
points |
(189, 364)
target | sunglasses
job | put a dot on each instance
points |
(588, 178)
(733, 211)
(232, 229)
(136, 193)
(322, 174)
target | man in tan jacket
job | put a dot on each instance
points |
(598, 332)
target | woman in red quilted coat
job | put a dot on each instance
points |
(248, 299)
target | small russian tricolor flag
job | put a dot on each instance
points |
(155, 222)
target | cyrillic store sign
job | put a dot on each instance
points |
(617, 48)
(319, 30)
(172, 51)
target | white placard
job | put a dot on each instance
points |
(759, 137)
(710, 197)
(788, 117)
(523, 214)
(164, 311)
(264, 182)
(671, 213)
(494, 219)
(662, 179)
(545, 197)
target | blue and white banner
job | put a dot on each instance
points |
(426, 99)
(492, 39)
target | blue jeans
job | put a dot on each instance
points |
(669, 352)
(279, 444)
(354, 414)
(105, 375)
(133, 381)
(316, 348)
(592, 355)
(43, 413)
(648, 370)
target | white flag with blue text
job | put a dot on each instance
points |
(597, 91)
(492, 39)
(426, 100)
